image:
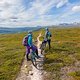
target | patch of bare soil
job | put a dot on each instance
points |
(65, 71)
(24, 71)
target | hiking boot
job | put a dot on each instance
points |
(42, 56)
(28, 59)
(38, 57)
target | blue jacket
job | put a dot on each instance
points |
(30, 40)
(47, 35)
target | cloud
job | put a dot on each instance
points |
(10, 7)
(62, 3)
(32, 12)
(76, 9)
(14, 11)
(41, 7)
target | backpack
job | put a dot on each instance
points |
(48, 35)
(25, 41)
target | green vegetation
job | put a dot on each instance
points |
(75, 74)
(64, 52)
(11, 55)
(65, 49)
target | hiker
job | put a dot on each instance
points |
(29, 45)
(48, 37)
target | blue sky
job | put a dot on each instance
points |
(21, 13)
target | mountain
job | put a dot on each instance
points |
(74, 24)
(17, 30)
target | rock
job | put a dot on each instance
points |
(45, 73)
(41, 73)
(26, 66)
(30, 72)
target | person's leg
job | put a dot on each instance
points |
(27, 52)
(35, 50)
(49, 41)
(43, 44)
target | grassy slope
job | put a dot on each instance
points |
(65, 43)
(11, 55)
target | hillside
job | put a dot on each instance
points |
(17, 30)
(63, 60)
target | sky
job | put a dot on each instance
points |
(28, 13)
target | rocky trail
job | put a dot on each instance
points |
(30, 72)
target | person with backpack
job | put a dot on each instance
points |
(27, 41)
(48, 37)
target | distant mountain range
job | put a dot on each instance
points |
(4, 30)
(75, 24)
(17, 30)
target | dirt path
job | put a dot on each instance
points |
(37, 74)
(23, 74)
(34, 73)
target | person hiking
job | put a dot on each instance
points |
(48, 37)
(30, 46)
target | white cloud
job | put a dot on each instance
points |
(61, 3)
(11, 9)
(41, 7)
(14, 12)
(76, 9)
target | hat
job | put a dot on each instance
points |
(29, 31)
(46, 28)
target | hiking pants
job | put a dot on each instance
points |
(34, 48)
(49, 43)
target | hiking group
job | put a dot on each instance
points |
(28, 43)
